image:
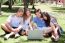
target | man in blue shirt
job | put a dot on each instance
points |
(38, 20)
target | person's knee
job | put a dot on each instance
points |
(48, 30)
(2, 25)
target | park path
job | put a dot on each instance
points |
(44, 7)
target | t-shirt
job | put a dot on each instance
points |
(53, 20)
(26, 23)
(15, 21)
(39, 22)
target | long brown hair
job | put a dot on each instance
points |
(48, 18)
(25, 14)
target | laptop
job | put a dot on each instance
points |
(35, 34)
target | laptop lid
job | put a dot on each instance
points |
(35, 34)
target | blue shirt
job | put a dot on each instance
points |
(39, 22)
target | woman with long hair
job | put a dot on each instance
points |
(27, 20)
(48, 22)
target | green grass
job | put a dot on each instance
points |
(58, 9)
(23, 39)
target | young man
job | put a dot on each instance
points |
(40, 23)
(13, 24)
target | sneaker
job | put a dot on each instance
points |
(53, 38)
(8, 35)
(17, 35)
(57, 38)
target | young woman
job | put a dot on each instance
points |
(13, 24)
(27, 21)
(49, 23)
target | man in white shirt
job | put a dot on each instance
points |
(13, 24)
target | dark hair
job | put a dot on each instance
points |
(25, 15)
(48, 18)
(37, 10)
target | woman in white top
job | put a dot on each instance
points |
(27, 20)
(13, 24)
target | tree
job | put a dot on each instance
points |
(0, 6)
(10, 4)
(26, 3)
(33, 7)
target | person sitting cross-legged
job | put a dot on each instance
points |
(13, 24)
(27, 21)
(51, 22)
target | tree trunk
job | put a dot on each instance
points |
(26, 2)
(0, 8)
(33, 6)
(10, 4)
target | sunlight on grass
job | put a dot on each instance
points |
(23, 39)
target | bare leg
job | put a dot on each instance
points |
(48, 30)
(26, 33)
(9, 27)
(55, 35)
(56, 32)
(4, 27)
(12, 29)
(23, 33)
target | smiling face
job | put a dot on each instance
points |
(20, 12)
(38, 14)
(28, 13)
(44, 17)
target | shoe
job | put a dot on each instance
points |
(6, 37)
(53, 38)
(17, 35)
(57, 38)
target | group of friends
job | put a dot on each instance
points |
(23, 21)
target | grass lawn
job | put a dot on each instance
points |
(23, 39)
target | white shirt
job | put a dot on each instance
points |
(15, 21)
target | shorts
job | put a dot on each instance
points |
(14, 27)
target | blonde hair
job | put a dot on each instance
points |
(20, 10)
